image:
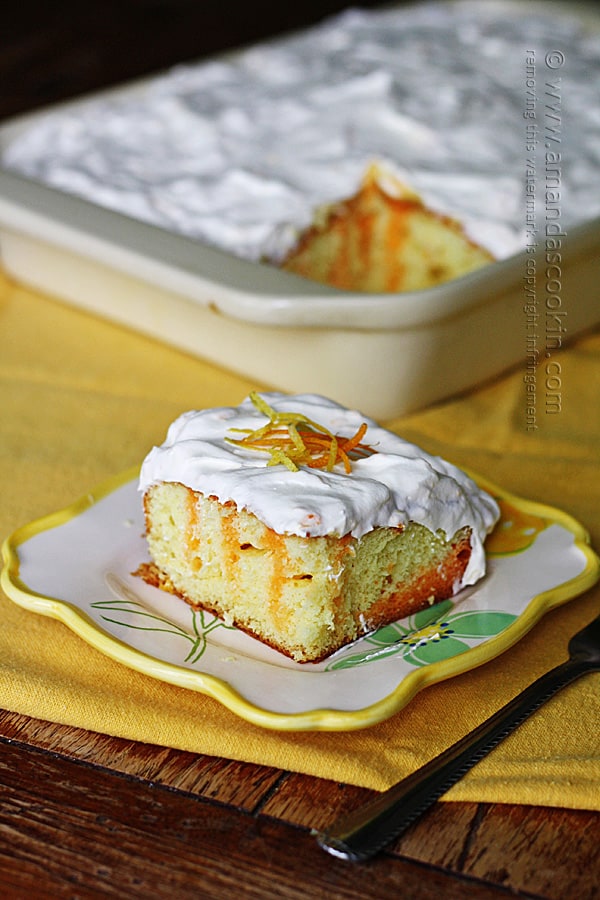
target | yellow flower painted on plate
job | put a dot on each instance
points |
(515, 531)
(434, 632)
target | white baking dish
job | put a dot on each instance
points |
(384, 354)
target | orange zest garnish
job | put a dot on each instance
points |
(293, 440)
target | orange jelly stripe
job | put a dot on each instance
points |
(192, 540)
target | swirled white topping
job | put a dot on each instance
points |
(396, 484)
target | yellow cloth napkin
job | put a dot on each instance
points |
(82, 399)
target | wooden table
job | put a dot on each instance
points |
(86, 815)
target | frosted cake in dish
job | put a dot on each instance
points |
(305, 523)
(238, 151)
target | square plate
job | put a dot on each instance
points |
(76, 566)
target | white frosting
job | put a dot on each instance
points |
(239, 152)
(396, 484)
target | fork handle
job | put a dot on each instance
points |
(364, 832)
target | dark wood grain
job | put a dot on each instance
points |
(243, 785)
(63, 787)
(72, 829)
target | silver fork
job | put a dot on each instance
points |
(366, 831)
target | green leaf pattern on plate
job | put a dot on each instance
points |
(429, 636)
(133, 613)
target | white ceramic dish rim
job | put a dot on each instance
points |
(240, 289)
(252, 292)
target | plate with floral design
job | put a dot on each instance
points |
(76, 566)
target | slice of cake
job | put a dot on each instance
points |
(306, 524)
(384, 240)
